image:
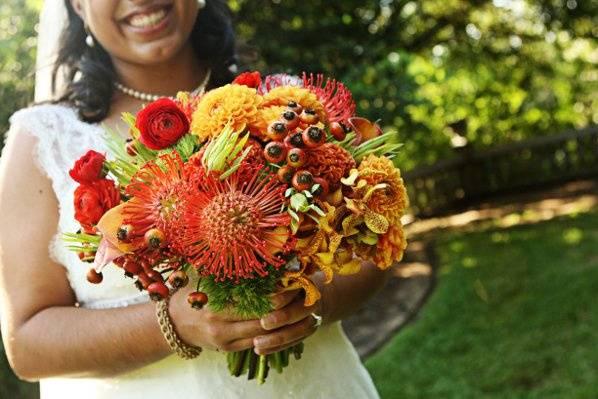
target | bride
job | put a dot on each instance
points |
(104, 341)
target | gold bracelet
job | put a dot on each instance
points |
(182, 349)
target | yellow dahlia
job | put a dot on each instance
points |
(281, 96)
(235, 103)
(390, 196)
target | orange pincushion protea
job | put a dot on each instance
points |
(335, 96)
(235, 103)
(281, 96)
(234, 229)
(157, 191)
(330, 162)
(392, 199)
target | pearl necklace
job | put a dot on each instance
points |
(153, 97)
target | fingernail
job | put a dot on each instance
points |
(259, 341)
(267, 323)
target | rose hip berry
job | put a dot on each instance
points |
(296, 140)
(303, 180)
(285, 174)
(277, 131)
(338, 131)
(296, 157)
(275, 152)
(124, 232)
(158, 291)
(295, 107)
(291, 119)
(309, 116)
(197, 299)
(313, 137)
(154, 238)
(178, 279)
(94, 277)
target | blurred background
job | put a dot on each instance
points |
(497, 104)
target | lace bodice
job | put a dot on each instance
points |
(62, 139)
(330, 367)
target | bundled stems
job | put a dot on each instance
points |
(258, 366)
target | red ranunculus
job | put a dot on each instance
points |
(88, 168)
(161, 123)
(249, 79)
(94, 199)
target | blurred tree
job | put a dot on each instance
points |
(442, 72)
(18, 21)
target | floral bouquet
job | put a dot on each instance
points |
(246, 190)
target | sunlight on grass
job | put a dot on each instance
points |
(522, 323)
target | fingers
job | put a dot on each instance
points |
(237, 345)
(290, 314)
(284, 337)
(278, 348)
(282, 299)
(245, 329)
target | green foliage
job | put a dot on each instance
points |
(17, 56)
(442, 71)
(248, 298)
(513, 316)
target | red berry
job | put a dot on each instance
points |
(178, 279)
(303, 180)
(81, 255)
(294, 106)
(338, 131)
(296, 140)
(285, 174)
(275, 152)
(324, 188)
(131, 147)
(309, 116)
(124, 232)
(290, 119)
(94, 277)
(154, 238)
(154, 275)
(277, 131)
(197, 299)
(313, 137)
(144, 280)
(296, 157)
(132, 267)
(158, 291)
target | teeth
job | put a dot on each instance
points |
(147, 20)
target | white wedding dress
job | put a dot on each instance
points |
(329, 368)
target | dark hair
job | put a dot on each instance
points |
(90, 73)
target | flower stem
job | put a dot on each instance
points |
(262, 370)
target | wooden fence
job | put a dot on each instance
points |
(474, 176)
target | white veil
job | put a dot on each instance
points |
(53, 19)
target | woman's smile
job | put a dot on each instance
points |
(148, 20)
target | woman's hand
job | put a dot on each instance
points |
(221, 331)
(288, 325)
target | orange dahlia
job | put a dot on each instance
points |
(235, 103)
(234, 229)
(330, 162)
(391, 200)
(281, 96)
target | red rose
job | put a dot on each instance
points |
(88, 168)
(161, 124)
(249, 79)
(94, 199)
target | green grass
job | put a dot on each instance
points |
(514, 315)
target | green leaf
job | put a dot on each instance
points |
(299, 202)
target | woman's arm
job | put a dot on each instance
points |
(44, 334)
(341, 298)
